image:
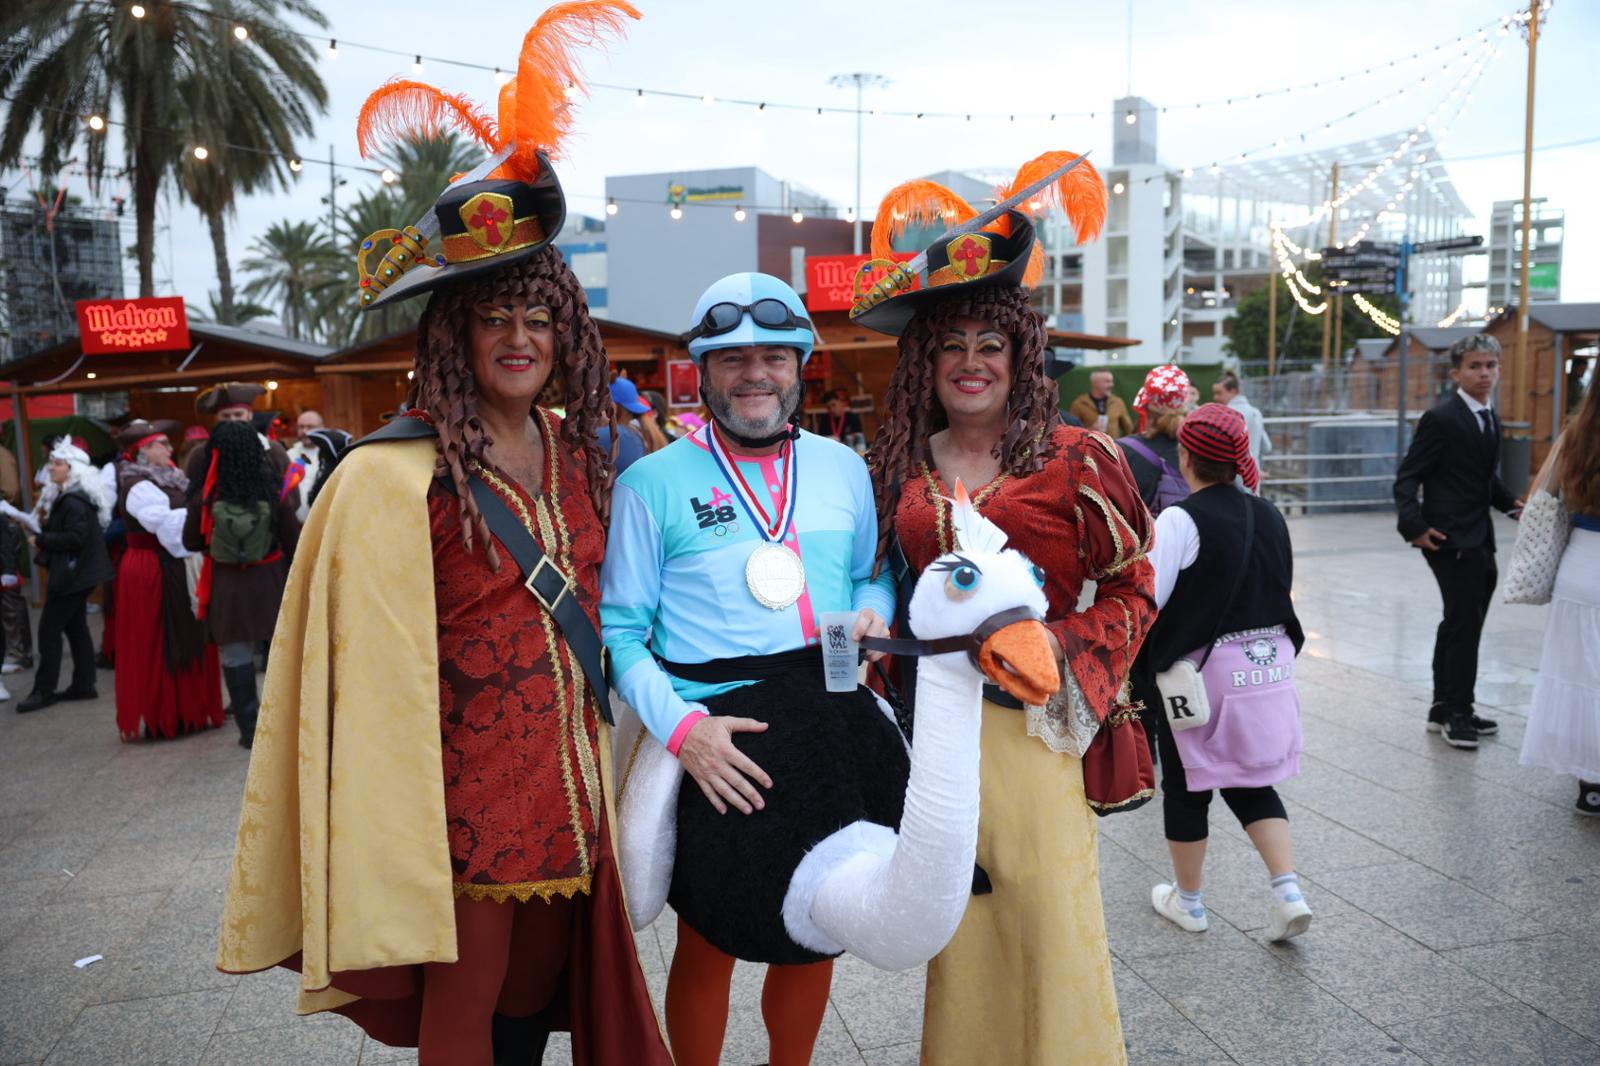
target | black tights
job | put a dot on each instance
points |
(1185, 812)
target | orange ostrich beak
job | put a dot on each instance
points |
(1019, 660)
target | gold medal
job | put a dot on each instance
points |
(775, 575)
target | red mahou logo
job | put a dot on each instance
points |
(152, 324)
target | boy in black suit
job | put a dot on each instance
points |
(1455, 460)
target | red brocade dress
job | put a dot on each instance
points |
(521, 737)
(1027, 978)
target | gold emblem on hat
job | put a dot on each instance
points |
(489, 218)
(969, 256)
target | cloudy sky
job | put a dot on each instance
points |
(1029, 57)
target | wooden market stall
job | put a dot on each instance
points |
(163, 382)
(1563, 342)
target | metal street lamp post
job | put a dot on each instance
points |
(862, 81)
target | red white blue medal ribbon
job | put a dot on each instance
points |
(773, 530)
(774, 573)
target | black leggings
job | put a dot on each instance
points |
(1185, 812)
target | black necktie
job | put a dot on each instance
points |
(1483, 414)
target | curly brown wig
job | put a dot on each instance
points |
(443, 385)
(913, 413)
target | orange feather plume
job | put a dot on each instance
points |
(1081, 192)
(536, 113)
(915, 203)
(1033, 273)
(402, 108)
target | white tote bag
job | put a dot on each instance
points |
(1542, 534)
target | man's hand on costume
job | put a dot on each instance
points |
(870, 624)
(1428, 540)
(723, 772)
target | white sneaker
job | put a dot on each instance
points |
(1164, 898)
(5, 694)
(1287, 920)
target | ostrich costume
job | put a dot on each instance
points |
(840, 879)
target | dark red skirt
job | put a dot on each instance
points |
(149, 693)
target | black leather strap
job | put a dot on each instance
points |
(550, 587)
(971, 643)
(540, 576)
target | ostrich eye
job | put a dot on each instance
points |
(963, 582)
(1038, 576)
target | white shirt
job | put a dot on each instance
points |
(150, 507)
(305, 454)
(1474, 406)
(1176, 547)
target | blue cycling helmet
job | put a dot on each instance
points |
(742, 291)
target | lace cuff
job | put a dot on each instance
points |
(1066, 724)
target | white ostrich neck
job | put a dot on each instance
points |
(942, 792)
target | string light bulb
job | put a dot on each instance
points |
(201, 152)
(137, 11)
(1130, 118)
(388, 176)
(416, 65)
(333, 48)
(611, 205)
(295, 165)
(676, 212)
(97, 123)
(738, 213)
(241, 33)
(708, 99)
(798, 216)
(500, 76)
(272, 386)
(1119, 188)
(90, 375)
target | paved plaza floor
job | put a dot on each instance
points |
(1456, 893)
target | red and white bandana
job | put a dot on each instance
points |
(1164, 386)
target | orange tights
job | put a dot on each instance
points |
(460, 999)
(792, 1004)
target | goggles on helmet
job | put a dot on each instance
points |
(770, 312)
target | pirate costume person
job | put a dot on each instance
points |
(726, 546)
(1027, 977)
(426, 832)
(168, 678)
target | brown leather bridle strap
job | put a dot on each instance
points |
(971, 643)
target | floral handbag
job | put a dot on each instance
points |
(1542, 534)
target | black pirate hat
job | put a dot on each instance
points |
(482, 226)
(957, 264)
(998, 248)
(510, 206)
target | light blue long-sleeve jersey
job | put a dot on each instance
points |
(673, 581)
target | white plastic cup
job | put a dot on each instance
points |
(840, 654)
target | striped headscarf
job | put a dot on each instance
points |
(1218, 433)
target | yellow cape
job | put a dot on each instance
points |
(342, 853)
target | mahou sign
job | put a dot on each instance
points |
(830, 279)
(156, 324)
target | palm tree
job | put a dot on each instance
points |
(163, 76)
(249, 120)
(295, 266)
